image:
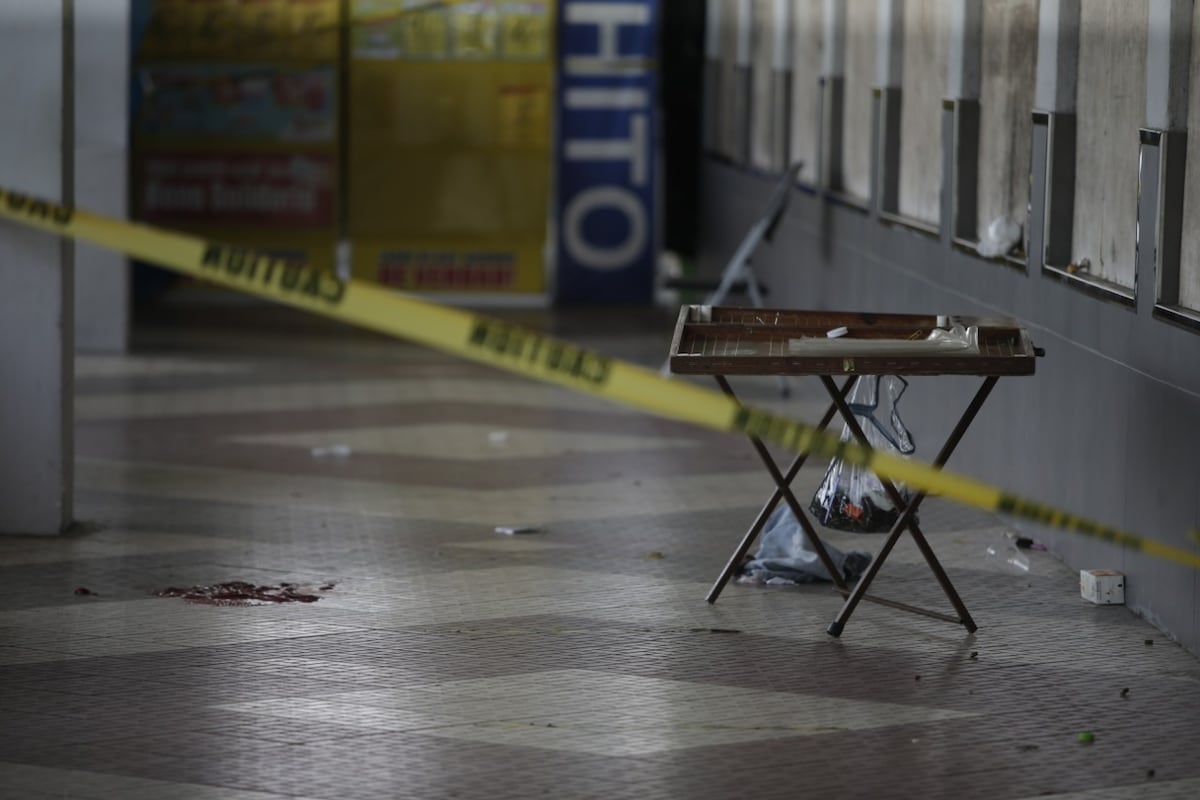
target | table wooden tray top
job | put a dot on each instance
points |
(716, 340)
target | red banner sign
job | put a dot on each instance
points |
(248, 189)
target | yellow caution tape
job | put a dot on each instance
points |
(520, 350)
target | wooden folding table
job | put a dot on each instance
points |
(720, 341)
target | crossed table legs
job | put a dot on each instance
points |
(906, 520)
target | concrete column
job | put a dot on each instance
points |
(1163, 159)
(889, 77)
(36, 270)
(960, 123)
(1058, 55)
(833, 56)
(781, 85)
(889, 35)
(101, 161)
(833, 97)
(1168, 54)
(1052, 193)
(963, 70)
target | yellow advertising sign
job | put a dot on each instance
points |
(450, 143)
(475, 27)
(525, 30)
(523, 116)
(246, 30)
(424, 32)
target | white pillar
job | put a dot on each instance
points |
(36, 305)
(101, 161)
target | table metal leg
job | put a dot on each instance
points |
(908, 511)
(782, 490)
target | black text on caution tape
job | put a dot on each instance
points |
(37, 210)
(516, 344)
(1055, 518)
(796, 436)
(290, 278)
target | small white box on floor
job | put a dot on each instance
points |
(1102, 586)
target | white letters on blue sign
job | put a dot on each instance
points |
(635, 150)
(608, 18)
(631, 147)
(605, 197)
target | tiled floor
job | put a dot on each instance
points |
(580, 661)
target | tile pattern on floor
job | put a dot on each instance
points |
(577, 662)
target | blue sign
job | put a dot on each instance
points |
(605, 201)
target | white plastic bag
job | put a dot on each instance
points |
(1002, 235)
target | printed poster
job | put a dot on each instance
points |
(236, 130)
(449, 189)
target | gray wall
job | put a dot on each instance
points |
(1110, 425)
